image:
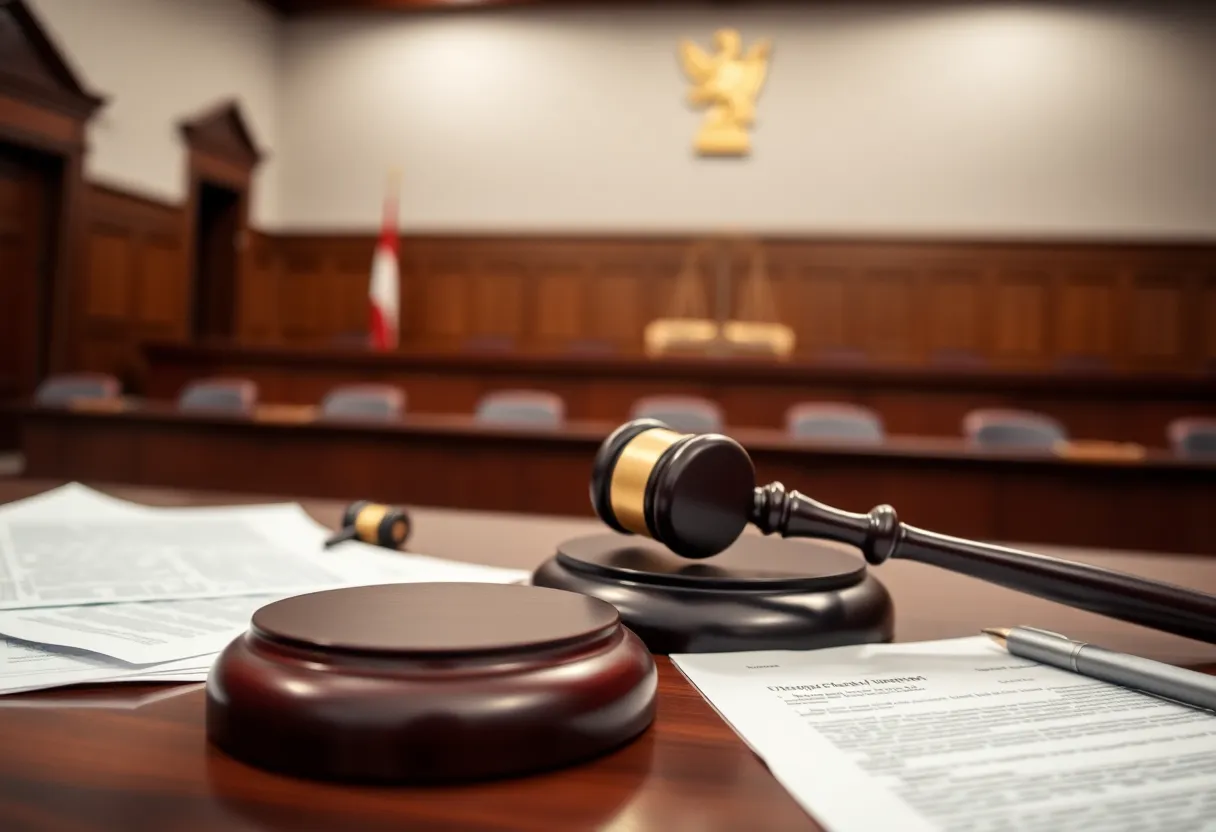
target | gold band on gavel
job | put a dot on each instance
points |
(367, 522)
(630, 474)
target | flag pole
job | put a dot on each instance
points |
(392, 194)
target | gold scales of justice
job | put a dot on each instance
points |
(689, 327)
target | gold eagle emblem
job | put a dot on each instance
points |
(727, 82)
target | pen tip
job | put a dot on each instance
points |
(997, 634)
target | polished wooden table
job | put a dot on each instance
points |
(752, 391)
(1159, 502)
(68, 766)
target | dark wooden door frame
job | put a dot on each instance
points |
(220, 151)
(44, 107)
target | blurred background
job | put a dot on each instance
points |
(967, 259)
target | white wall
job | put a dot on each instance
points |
(159, 62)
(988, 119)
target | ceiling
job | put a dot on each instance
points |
(301, 7)
(297, 7)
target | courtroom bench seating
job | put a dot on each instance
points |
(226, 395)
(1009, 428)
(834, 421)
(381, 402)
(931, 401)
(536, 408)
(688, 414)
(1193, 437)
(65, 387)
(1045, 495)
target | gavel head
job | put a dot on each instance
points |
(694, 493)
(378, 524)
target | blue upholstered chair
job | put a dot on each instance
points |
(529, 408)
(1193, 437)
(687, 414)
(834, 421)
(218, 395)
(367, 402)
(67, 387)
(1000, 428)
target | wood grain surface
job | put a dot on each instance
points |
(1131, 405)
(70, 767)
(1158, 502)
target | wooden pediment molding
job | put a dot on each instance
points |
(33, 68)
(222, 132)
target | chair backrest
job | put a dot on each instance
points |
(68, 387)
(1193, 436)
(1006, 428)
(374, 402)
(834, 421)
(222, 395)
(538, 408)
(687, 414)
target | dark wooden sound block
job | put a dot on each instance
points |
(430, 683)
(759, 594)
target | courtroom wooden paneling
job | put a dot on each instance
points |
(221, 155)
(26, 187)
(135, 283)
(1158, 503)
(1105, 306)
(44, 109)
(1130, 407)
(258, 295)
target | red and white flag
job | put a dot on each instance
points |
(382, 290)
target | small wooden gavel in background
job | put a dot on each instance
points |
(374, 523)
(696, 493)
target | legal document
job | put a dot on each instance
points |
(27, 667)
(960, 735)
(139, 633)
(57, 563)
(98, 589)
(160, 631)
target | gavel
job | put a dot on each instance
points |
(696, 493)
(374, 523)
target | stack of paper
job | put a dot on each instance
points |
(960, 735)
(96, 589)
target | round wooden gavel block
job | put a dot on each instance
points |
(760, 593)
(430, 683)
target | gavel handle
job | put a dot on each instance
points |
(341, 536)
(880, 535)
(1138, 600)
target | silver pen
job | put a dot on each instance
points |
(1188, 687)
